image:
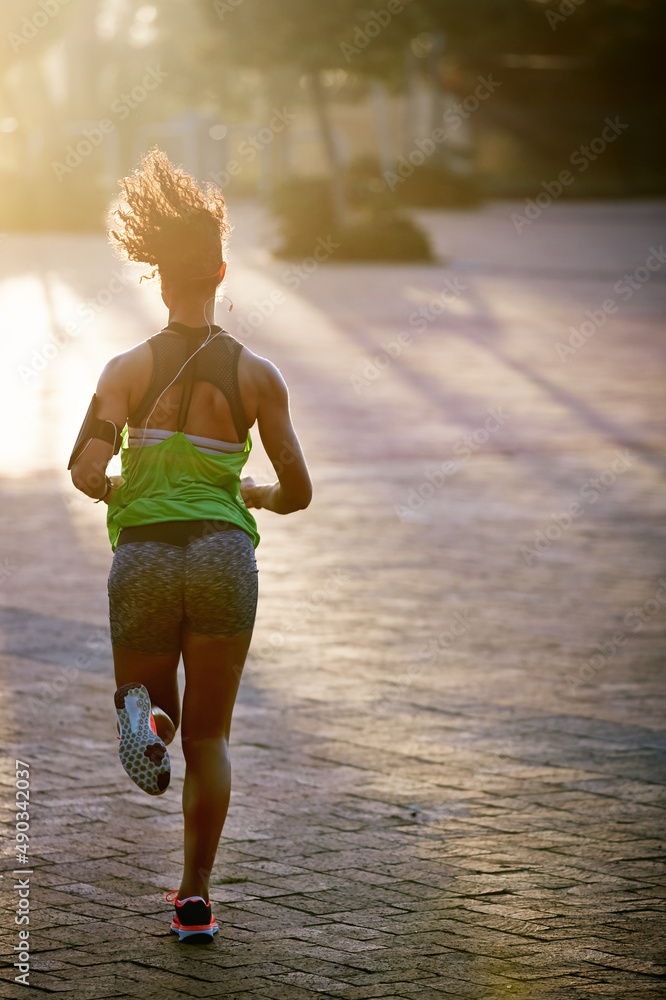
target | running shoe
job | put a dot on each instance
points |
(194, 921)
(142, 753)
(153, 724)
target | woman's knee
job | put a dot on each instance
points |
(198, 747)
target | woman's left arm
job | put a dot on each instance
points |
(89, 469)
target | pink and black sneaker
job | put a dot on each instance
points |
(194, 921)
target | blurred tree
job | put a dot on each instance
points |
(308, 39)
(561, 63)
(32, 109)
(68, 65)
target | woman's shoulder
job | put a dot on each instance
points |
(265, 375)
(128, 364)
(262, 368)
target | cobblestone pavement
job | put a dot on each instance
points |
(448, 762)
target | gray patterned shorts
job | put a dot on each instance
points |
(208, 587)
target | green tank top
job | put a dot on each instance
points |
(175, 481)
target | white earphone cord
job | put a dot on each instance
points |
(211, 336)
(208, 340)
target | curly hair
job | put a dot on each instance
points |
(165, 219)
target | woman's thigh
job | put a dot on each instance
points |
(220, 609)
(145, 618)
(146, 587)
(220, 598)
(213, 669)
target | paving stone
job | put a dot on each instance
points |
(418, 813)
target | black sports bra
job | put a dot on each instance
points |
(216, 363)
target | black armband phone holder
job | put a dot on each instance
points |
(93, 427)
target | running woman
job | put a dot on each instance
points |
(183, 581)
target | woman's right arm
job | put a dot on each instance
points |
(293, 491)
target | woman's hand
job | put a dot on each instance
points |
(116, 483)
(251, 492)
(269, 496)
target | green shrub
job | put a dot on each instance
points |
(431, 185)
(365, 184)
(437, 187)
(376, 232)
(384, 236)
(304, 212)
